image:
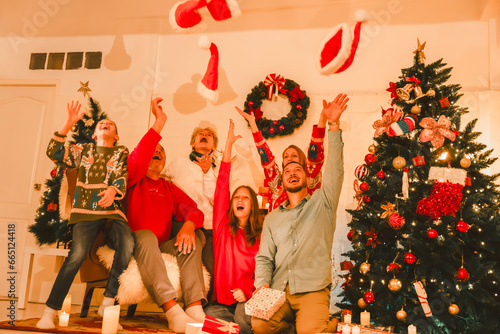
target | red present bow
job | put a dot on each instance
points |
(214, 325)
(274, 80)
(436, 131)
(413, 79)
(296, 94)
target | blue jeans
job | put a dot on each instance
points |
(234, 313)
(84, 234)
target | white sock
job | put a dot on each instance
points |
(177, 319)
(47, 319)
(106, 301)
(196, 312)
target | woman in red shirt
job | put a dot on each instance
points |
(236, 229)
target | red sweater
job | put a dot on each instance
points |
(234, 261)
(153, 204)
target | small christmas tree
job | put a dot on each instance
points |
(426, 234)
(51, 225)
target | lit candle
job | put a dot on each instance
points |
(63, 319)
(365, 318)
(347, 318)
(66, 306)
(110, 319)
(259, 200)
(346, 329)
(412, 329)
(355, 330)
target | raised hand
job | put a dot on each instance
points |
(205, 162)
(250, 118)
(231, 138)
(334, 109)
(160, 116)
(74, 115)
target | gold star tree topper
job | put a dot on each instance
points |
(420, 50)
(84, 88)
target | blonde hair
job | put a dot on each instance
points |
(197, 130)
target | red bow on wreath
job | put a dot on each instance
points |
(274, 80)
(296, 94)
(372, 238)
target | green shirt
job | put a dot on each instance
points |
(99, 167)
(296, 244)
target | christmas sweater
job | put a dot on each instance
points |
(234, 260)
(153, 204)
(99, 168)
(199, 186)
(314, 163)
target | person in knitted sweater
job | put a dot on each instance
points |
(152, 203)
(101, 184)
(314, 161)
(237, 231)
(196, 175)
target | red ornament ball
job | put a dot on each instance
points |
(250, 103)
(370, 158)
(367, 199)
(463, 274)
(462, 226)
(381, 175)
(364, 186)
(271, 130)
(282, 128)
(410, 258)
(275, 122)
(369, 297)
(298, 106)
(350, 235)
(393, 266)
(432, 233)
(396, 221)
(53, 172)
(361, 171)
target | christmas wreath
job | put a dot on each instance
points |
(275, 84)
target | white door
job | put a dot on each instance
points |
(25, 129)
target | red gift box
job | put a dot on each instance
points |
(346, 265)
(444, 102)
(419, 160)
(218, 326)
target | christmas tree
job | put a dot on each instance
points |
(426, 233)
(51, 222)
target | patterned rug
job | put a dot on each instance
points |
(140, 323)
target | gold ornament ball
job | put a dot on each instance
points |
(362, 303)
(465, 162)
(401, 315)
(415, 109)
(395, 285)
(371, 148)
(453, 309)
(73, 128)
(431, 92)
(364, 268)
(399, 162)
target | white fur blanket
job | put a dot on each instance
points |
(132, 289)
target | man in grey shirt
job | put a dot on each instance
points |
(296, 241)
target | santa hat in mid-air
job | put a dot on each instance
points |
(223, 9)
(207, 87)
(339, 47)
(184, 16)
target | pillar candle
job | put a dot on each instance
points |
(259, 200)
(365, 318)
(346, 329)
(355, 330)
(110, 319)
(412, 329)
(347, 318)
(63, 319)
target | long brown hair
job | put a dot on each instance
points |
(253, 227)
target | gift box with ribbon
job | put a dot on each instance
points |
(265, 303)
(219, 326)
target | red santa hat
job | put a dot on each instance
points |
(339, 47)
(223, 9)
(207, 87)
(184, 16)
